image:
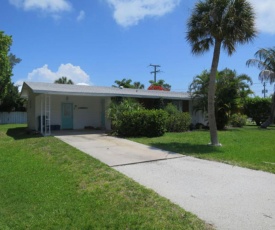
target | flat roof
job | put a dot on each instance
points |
(99, 91)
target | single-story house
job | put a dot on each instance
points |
(61, 106)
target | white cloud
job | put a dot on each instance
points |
(50, 6)
(265, 16)
(130, 12)
(44, 74)
(81, 16)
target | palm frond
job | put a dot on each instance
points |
(229, 21)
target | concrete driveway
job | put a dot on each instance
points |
(225, 196)
(111, 150)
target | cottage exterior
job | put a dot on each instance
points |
(61, 106)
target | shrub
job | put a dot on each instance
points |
(238, 120)
(177, 121)
(149, 123)
(119, 106)
(171, 109)
(258, 109)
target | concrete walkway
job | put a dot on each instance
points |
(225, 196)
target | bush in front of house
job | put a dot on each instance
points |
(177, 121)
(120, 106)
(148, 123)
(238, 120)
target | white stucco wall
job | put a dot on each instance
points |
(87, 111)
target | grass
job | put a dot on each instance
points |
(46, 184)
(249, 147)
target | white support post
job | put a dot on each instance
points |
(41, 114)
(47, 115)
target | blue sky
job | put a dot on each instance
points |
(100, 41)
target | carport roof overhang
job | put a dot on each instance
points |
(97, 91)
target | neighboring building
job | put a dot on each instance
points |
(61, 106)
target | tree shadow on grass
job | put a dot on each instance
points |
(187, 148)
(22, 133)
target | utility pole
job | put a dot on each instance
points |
(155, 71)
(264, 91)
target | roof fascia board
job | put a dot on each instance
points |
(108, 95)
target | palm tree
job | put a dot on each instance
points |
(198, 90)
(125, 83)
(266, 63)
(138, 85)
(222, 24)
(230, 93)
(64, 80)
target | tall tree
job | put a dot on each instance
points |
(230, 94)
(14, 60)
(9, 95)
(222, 24)
(5, 66)
(64, 80)
(265, 61)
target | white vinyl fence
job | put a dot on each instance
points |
(13, 118)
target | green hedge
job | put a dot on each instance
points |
(178, 122)
(258, 109)
(149, 123)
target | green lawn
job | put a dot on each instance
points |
(249, 147)
(46, 184)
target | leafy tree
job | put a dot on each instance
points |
(14, 60)
(231, 90)
(159, 85)
(12, 100)
(127, 83)
(9, 95)
(222, 24)
(265, 61)
(5, 66)
(64, 80)
(258, 109)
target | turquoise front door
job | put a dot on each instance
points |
(67, 116)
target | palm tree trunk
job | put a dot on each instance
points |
(211, 95)
(270, 120)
